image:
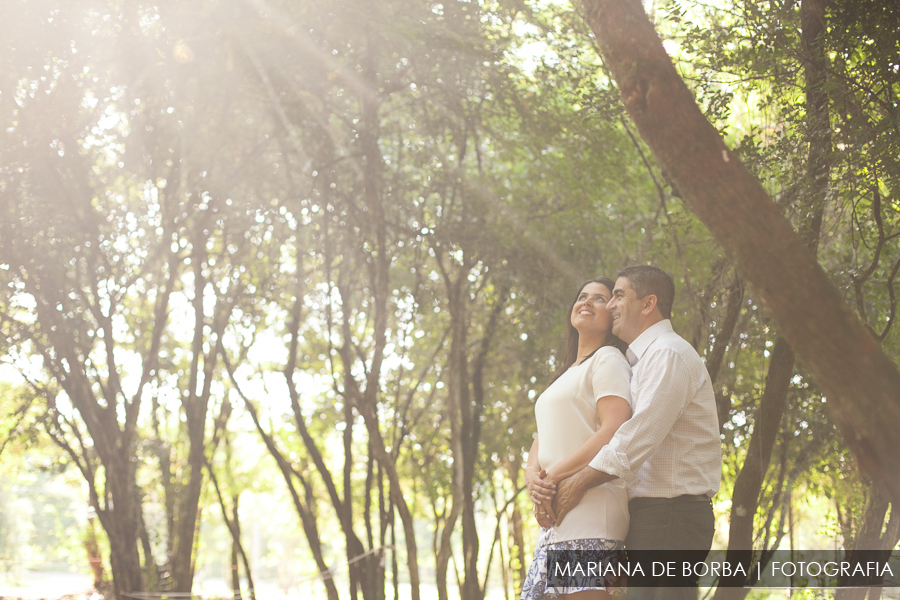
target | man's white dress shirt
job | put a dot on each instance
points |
(670, 446)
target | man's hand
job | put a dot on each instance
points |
(569, 494)
(570, 491)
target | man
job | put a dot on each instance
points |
(668, 453)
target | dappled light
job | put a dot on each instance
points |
(282, 280)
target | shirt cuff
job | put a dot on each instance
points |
(615, 463)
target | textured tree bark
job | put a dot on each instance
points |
(861, 383)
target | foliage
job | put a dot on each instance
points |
(340, 238)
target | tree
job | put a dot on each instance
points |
(109, 225)
(860, 381)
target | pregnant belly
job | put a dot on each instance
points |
(602, 513)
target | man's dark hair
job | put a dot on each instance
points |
(646, 280)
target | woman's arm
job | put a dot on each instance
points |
(612, 411)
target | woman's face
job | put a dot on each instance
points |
(589, 315)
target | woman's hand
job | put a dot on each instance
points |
(541, 493)
(540, 489)
(544, 518)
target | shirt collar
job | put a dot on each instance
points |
(647, 337)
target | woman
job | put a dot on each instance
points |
(587, 401)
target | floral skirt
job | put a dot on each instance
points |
(537, 580)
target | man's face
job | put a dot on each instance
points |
(625, 309)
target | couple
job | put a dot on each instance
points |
(627, 452)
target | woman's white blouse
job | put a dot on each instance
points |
(566, 416)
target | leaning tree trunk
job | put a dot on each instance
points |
(862, 384)
(772, 405)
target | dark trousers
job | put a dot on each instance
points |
(661, 525)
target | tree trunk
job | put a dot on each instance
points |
(92, 548)
(518, 560)
(234, 528)
(360, 571)
(874, 534)
(367, 400)
(396, 494)
(461, 424)
(747, 486)
(307, 516)
(196, 407)
(151, 572)
(120, 521)
(772, 405)
(862, 384)
(120, 511)
(723, 339)
(235, 573)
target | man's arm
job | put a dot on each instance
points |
(612, 411)
(661, 397)
(572, 473)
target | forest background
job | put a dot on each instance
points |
(282, 280)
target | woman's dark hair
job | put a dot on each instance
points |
(572, 334)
